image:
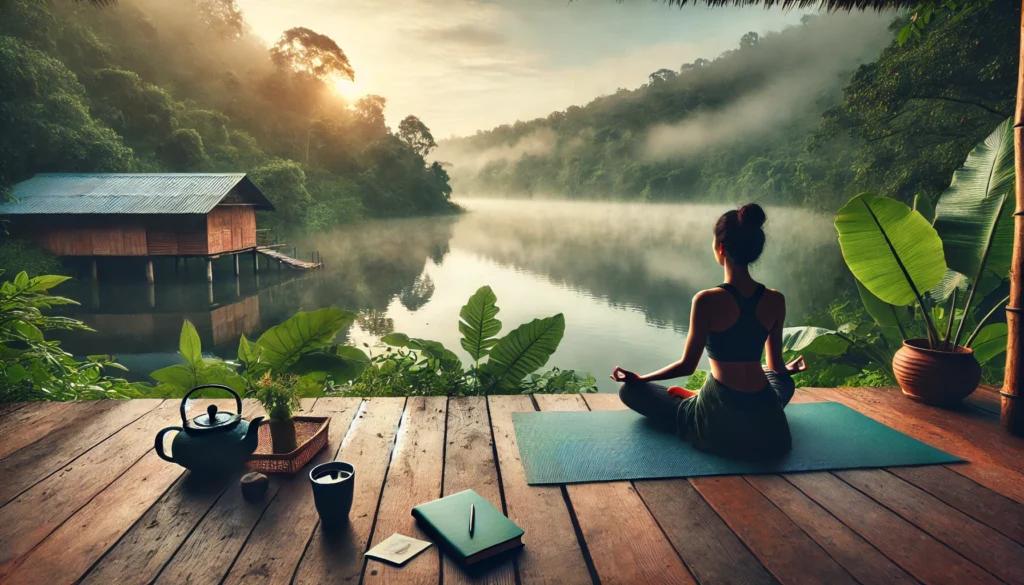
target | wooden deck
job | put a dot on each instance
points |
(84, 498)
(285, 260)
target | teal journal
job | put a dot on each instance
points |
(447, 521)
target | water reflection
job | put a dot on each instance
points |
(622, 274)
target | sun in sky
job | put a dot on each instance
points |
(348, 89)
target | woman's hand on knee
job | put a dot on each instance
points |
(624, 376)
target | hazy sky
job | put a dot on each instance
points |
(463, 65)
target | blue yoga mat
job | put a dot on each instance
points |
(574, 447)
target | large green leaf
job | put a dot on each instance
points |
(970, 213)
(281, 345)
(882, 312)
(189, 345)
(990, 342)
(951, 281)
(890, 248)
(478, 324)
(340, 367)
(923, 205)
(523, 351)
(813, 340)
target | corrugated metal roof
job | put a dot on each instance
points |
(128, 193)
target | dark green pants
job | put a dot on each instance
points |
(720, 420)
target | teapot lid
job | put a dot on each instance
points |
(213, 420)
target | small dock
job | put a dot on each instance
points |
(285, 260)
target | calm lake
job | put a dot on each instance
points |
(623, 275)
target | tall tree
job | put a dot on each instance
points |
(416, 134)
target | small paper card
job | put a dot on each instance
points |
(397, 549)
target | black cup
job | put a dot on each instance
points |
(333, 487)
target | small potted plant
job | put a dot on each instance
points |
(279, 396)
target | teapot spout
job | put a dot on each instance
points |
(252, 435)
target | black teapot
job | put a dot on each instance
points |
(212, 443)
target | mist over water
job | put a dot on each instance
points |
(623, 275)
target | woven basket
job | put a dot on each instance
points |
(310, 435)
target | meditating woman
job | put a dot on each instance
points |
(739, 410)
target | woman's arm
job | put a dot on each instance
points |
(773, 347)
(696, 336)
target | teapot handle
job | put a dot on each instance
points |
(238, 400)
(160, 443)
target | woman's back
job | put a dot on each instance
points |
(738, 327)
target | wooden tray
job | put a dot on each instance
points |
(310, 435)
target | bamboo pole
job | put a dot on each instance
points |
(1012, 412)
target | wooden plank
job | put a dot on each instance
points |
(982, 468)
(27, 425)
(275, 547)
(978, 502)
(856, 555)
(919, 554)
(209, 550)
(143, 551)
(625, 542)
(413, 478)
(32, 463)
(552, 554)
(9, 407)
(783, 548)
(338, 558)
(987, 548)
(33, 515)
(469, 464)
(708, 547)
(965, 425)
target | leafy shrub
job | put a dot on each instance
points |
(19, 255)
(32, 368)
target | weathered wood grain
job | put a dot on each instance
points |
(7, 408)
(625, 542)
(32, 463)
(982, 468)
(33, 422)
(338, 558)
(552, 555)
(140, 555)
(856, 555)
(783, 548)
(978, 502)
(33, 515)
(469, 465)
(919, 554)
(276, 545)
(209, 550)
(711, 551)
(979, 543)
(708, 547)
(414, 478)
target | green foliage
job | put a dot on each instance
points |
(301, 347)
(33, 368)
(412, 366)
(19, 255)
(279, 395)
(136, 89)
(696, 380)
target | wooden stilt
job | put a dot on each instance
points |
(151, 294)
(236, 266)
(95, 290)
(209, 270)
(93, 269)
(209, 292)
(255, 262)
(149, 270)
(1012, 411)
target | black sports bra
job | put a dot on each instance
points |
(744, 341)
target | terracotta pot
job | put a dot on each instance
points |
(282, 434)
(935, 377)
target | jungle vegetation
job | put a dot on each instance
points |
(147, 86)
(897, 124)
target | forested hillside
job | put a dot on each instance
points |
(148, 85)
(809, 116)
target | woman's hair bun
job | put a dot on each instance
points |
(751, 216)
